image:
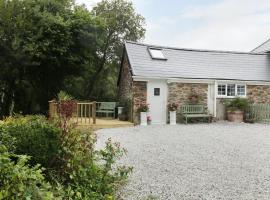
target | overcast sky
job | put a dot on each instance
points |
(238, 25)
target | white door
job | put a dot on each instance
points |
(157, 99)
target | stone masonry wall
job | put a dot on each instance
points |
(259, 93)
(125, 87)
(180, 92)
(139, 96)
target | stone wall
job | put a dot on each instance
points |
(125, 87)
(180, 92)
(139, 96)
(259, 93)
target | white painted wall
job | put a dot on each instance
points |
(211, 99)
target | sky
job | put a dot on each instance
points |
(236, 25)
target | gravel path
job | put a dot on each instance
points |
(195, 162)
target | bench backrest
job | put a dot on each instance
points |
(107, 105)
(192, 109)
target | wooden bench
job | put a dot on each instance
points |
(194, 111)
(107, 108)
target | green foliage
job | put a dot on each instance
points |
(96, 180)
(74, 168)
(237, 104)
(63, 96)
(52, 45)
(20, 181)
(42, 43)
(34, 136)
(121, 23)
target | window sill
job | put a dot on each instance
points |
(230, 97)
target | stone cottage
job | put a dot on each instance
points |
(159, 75)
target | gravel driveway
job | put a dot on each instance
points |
(198, 161)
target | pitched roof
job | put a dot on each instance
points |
(198, 64)
(263, 48)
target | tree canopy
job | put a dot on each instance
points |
(52, 45)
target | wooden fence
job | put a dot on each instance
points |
(258, 112)
(84, 112)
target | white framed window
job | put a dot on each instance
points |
(222, 89)
(231, 90)
(241, 90)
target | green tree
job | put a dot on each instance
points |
(42, 42)
(121, 23)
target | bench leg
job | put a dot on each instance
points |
(186, 120)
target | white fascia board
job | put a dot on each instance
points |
(143, 78)
(185, 80)
(209, 81)
(257, 83)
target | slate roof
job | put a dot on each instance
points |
(198, 64)
(263, 48)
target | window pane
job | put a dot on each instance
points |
(241, 90)
(231, 90)
(221, 89)
(157, 53)
(156, 91)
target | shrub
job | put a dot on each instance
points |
(97, 180)
(79, 171)
(34, 136)
(20, 181)
(237, 104)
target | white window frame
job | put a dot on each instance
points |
(231, 83)
(153, 56)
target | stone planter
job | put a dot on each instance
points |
(235, 116)
(143, 118)
(172, 117)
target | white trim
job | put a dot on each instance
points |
(226, 90)
(187, 80)
(177, 80)
(215, 100)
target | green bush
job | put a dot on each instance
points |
(34, 136)
(20, 181)
(72, 164)
(237, 104)
(97, 180)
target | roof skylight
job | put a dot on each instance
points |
(156, 53)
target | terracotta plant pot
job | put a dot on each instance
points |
(235, 116)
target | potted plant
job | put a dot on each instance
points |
(172, 107)
(235, 109)
(143, 109)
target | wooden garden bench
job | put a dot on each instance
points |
(107, 108)
(194, 111)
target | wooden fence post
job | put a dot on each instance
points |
(94, 112)
(52, 108)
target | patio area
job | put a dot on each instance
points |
(102, 123)
(195, 162)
